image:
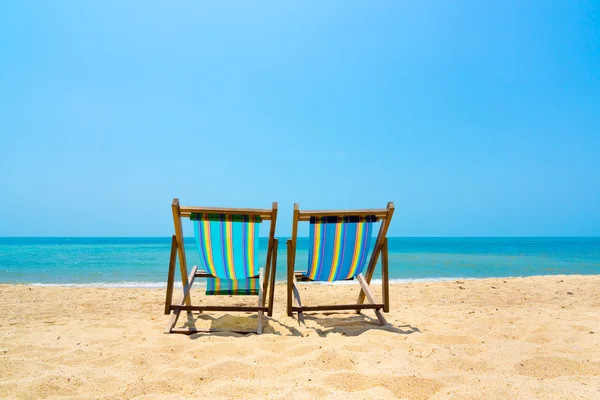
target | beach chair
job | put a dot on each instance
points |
(338, 247)
(227, 243)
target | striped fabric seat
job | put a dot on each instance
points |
(228, 249)
(338, 247)
(240, 287)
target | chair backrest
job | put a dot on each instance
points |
(227, 244)
(338, 246)
(339, 241)
(226, 238)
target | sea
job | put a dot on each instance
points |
(143, 262)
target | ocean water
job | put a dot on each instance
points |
(143, 262)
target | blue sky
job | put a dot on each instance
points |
(475, 118)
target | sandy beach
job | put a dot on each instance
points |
(493, 338)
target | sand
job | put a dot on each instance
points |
(494, 338)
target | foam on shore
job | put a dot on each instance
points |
(163, 285)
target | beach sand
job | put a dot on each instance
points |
(512, 338)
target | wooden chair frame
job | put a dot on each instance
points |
(266, 275)
(294, 303)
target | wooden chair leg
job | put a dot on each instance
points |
(368, 275)
(267, 274)
(385, 278)
(290, 277)
(186, 295)
(180, 245)
(272, 277)
(298, 304)
(171, 277)
(369, 295)
(259, 328)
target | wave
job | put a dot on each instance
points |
(163, 285)
(397, 281)
(124, 285)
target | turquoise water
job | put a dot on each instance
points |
(143, 262)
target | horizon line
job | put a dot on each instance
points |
(278, 237)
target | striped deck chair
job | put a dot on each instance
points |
(227, 243)
(338, 247)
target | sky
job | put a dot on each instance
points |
(476, 118)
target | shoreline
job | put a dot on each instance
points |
(532, 337)
(163, 285)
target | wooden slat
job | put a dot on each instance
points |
(264, 217)
(264, 213)
(259, 317)
(376, 250)
(272, 277)
(306, 218)
(385, 277)
(180, 245)
(171, 276)
(365, 287)
(186, 295)
(219, 308)
(204, 274)
(305, 215)
(226, 210)
(338, 307)
(301, 277)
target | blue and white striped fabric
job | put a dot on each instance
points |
(240, 287)
(338, 247)
(228, 250)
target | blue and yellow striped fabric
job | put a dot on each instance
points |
(227, 245)
(338, 247)
(243, 287)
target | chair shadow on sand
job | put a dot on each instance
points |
(353, 325)
(323, 324)
(226, 324)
